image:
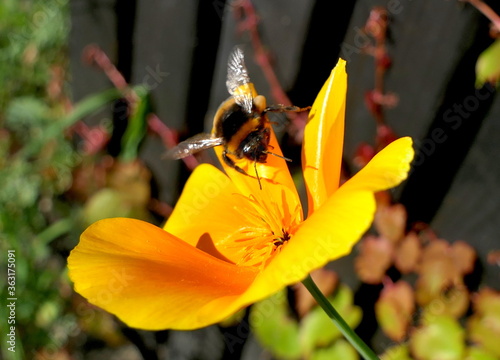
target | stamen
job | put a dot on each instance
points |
(283, 239)
(269, 227)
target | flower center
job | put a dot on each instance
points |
(269, 226)
(285, 236)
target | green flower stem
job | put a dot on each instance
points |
(344, 328)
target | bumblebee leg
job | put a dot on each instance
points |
(283, 108)
(256, 173)
(229, 162)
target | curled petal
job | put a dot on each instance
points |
(387, 169)
(323, 139)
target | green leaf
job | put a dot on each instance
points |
(485, 331)
(453, 302)
(487, 302)
(341, 349)
(83, 108)
(234, 319)
(53, 231)
(440, 337)
(318, 330)
(90, 105)
(20, 185)
(484, 325)
(477, 353)
(488, 65)
(136, 128)
(47, 313)
(26, 111)
(105, 203)
(394, 309)
(275, 329)
(397, 352)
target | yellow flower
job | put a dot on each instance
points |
(228, 243)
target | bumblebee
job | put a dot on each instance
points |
(240, 123)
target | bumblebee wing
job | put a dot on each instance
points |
(193, 145)
(237, 76)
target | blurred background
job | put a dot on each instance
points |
(92, 93)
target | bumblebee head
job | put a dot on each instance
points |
(254, 146)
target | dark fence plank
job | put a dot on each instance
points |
(432, 72)
(282, 27)
(92, 23)
(471, 210)
(424, 49)
(163, 45)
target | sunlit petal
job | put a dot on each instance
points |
(209, 199)
(332, 230)
(387, 169)
(151, 279)
(323, 139)
(329, 233)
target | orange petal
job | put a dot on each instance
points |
(329, 233)
(212, 213)
(333, 229)
(387, 169)
(208, 196)
(153, 280)
(323, 139)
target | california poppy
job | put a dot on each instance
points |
(229, 243)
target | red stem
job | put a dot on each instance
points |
(169, 138)
(250, 24)
(487, 11)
